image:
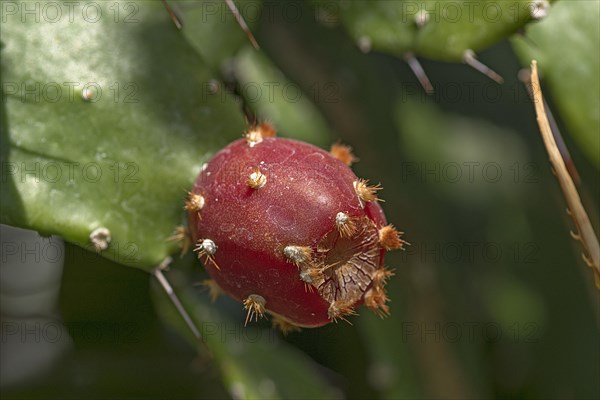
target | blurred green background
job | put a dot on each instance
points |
(491, 300)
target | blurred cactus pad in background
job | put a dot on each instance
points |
(110, 109)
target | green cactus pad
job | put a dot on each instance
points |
(439, 30)
(124, 158)
(569, 62)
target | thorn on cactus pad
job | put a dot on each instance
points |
(90, 95)
(207, 248)
(165, 264)
(419, 72)
(214, 290)
(242, 23)
(390, 238)
(343, 153)
(539, 9)
(345, 224)
(471, 60)
(365, 44)
(365, 192)
(194, 202)
(284, 326)
(255, 304)
(421, 18)
(174, 17)
(257, 179)
(100, 238)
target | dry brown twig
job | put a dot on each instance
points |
(585, 235)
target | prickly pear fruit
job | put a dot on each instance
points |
(287, 228)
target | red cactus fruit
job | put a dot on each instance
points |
(287, 228)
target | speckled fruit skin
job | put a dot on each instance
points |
(304, 190)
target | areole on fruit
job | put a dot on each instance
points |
(287, 229)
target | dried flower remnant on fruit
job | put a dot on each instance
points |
(349, 263)
(255, 304)
(100, 238)
(299, 236)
